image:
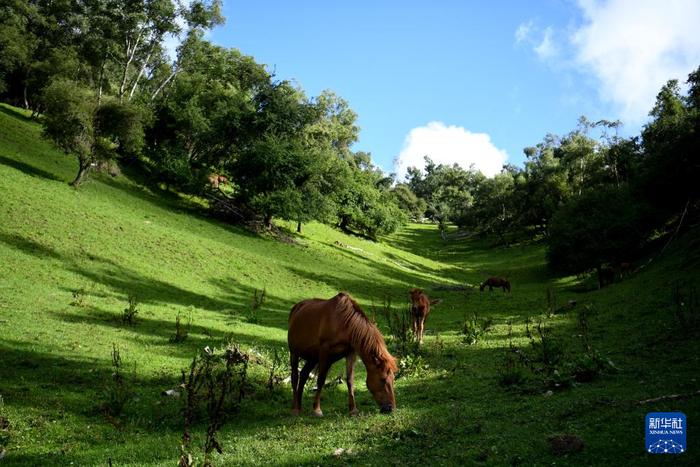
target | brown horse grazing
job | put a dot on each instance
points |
(420, 308)
(322, 332)
(492, 282)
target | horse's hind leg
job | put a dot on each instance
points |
(308, 366)
(294, 363)
(323, 366)
(350, 380)
(414, 322)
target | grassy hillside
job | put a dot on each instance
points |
(71, 258)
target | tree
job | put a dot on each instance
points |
(412, 205)
(546, 184)
(671, 165)
(600, 226)
(91, 132)
(274, 175)
(205, 120)
(365, 203)
(17, 43)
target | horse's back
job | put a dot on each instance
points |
(310, 322)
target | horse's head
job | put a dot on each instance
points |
(415, 293)
(506, 284)
(380, 382)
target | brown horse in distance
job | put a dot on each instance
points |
(420, 308)
(322, 332)
(216, 179)
(492, 282)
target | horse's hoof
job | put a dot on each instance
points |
(296, 412)
(317, 413)
(354, 413)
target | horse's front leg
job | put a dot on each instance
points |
(421, 326)
(323, 366)
(350, 380)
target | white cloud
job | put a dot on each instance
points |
(523, 32)
(633, 47)
(448, 145)
(541, 41)
(546, 48)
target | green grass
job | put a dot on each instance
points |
(113, 238)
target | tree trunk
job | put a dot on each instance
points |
(26, 100)
(160, 88)
(99, 84)
(130, 52)
(268, 221)
(143, 68)
(344, 222)
(298, 226)
(83, 168)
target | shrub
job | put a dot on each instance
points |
(79, 298)
(511, 371)
(4, 428)
(257, 301)
(474, 328)
(400, 336)
(411, 365)
(278, 369)
(685, 305)
(216, 383)
(258, 298)
(130, 312)
(118, 390)
(182, 330)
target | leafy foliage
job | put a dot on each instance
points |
(595, 228)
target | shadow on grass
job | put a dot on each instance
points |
(29, 169)
(124, 281)
(28, 246)
(158, 333)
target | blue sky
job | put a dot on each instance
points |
(469, 81)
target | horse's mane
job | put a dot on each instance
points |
(364, 334)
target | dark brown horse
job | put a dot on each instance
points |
(322, 332)
(492, 282)
(420, 308)
(625, 269)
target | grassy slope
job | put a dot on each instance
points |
(112, 238)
